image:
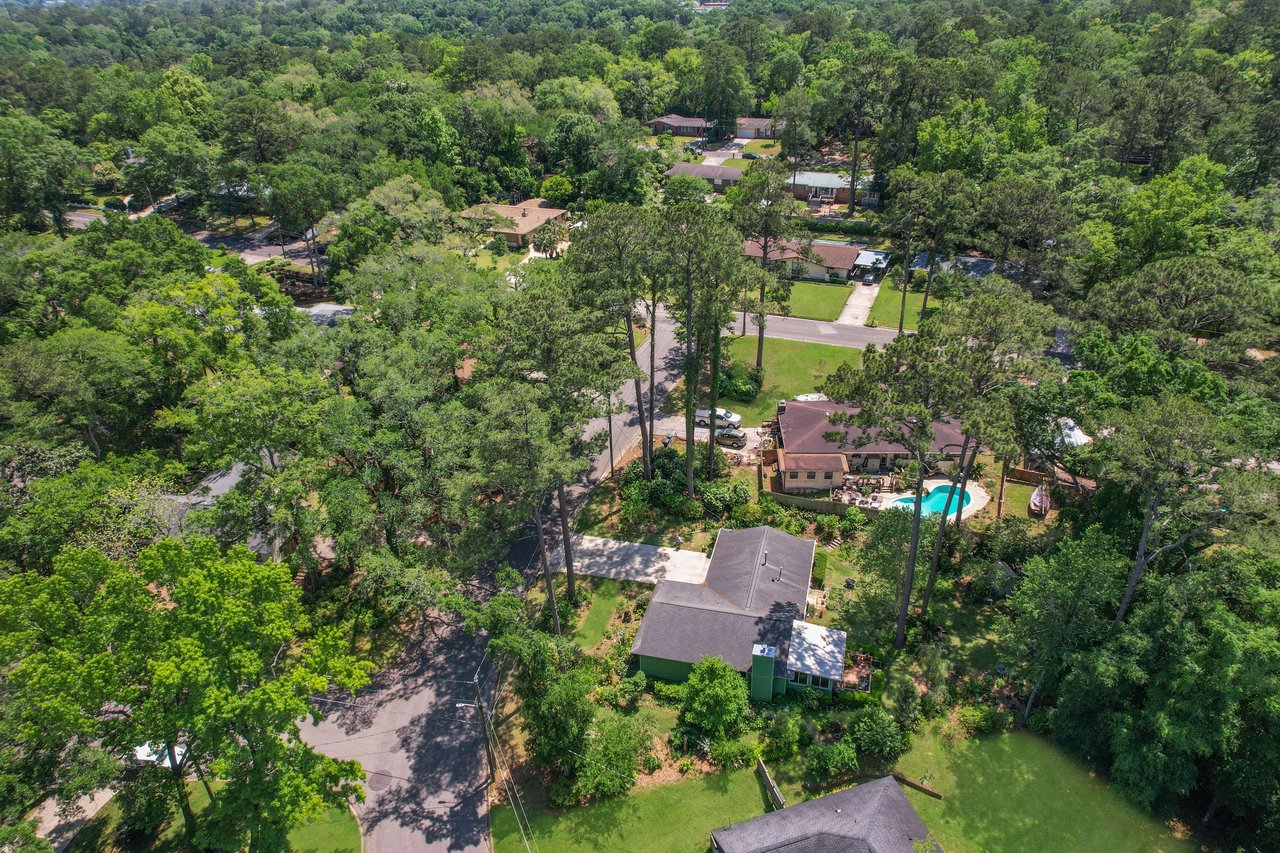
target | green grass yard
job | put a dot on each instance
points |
(486, 260)
(1018, 791)
(888, 305)
(765, 147)
(790, 368)
(335, 832)
(736, 163)
(676, 818)
(818, 301)
(605, 595)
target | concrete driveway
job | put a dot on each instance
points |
(633, 561)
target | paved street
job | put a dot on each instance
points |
(418, 735)
(818, 332)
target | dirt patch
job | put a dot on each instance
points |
(669, 773)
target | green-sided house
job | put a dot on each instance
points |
(749, 612)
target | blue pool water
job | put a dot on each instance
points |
(933, 502)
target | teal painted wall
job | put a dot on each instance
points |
(667, 670)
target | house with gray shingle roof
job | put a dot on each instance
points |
(749, 612)
(874, 817)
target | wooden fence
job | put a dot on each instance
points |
(811, 504)
(770, 786)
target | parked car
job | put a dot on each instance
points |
(751, 155)
(724, 418)
(734, 438)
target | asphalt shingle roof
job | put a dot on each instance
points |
(756, 587)
(874, 817)
(805, 427)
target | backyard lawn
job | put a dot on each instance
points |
(486, 260)
(817, 301)
(336, 832)
(1017, 791)
(790, 368)
(888, 306)
(676, 818)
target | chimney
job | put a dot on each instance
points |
(524, 211)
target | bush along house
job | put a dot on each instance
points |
(749, 612)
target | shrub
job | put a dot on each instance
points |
(827, 527)
(731, 754)
(977, 719)
(741, 383)
(113, 203)
(612, 760)
(877, 735)
(782, 736)
(904, 702)
(852, 522)
(819, 570)
(715, 702)
(855, 699)
(830, 761)
(747, 515)
(690, 509)
(812, 699)
(666, 691)
(630, 688)
(652, 763)
(687, 764)
(724, 496)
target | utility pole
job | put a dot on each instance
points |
(484, 720)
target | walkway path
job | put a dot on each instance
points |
(634, 561)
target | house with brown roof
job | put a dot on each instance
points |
(516, 222)
(720, 177)
(818, 260)
(815, 454)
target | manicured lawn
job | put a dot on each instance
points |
(486, 260)
(676, 818)
(767, 147)
(790, 368)
(817, 301)
(736, 163)
(888, 305)
(605, 594)
(1018, 792)
(335, 832)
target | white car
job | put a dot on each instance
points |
(724, 418)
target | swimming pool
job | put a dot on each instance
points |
(934, 501)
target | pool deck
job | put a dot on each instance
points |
(978, 496)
